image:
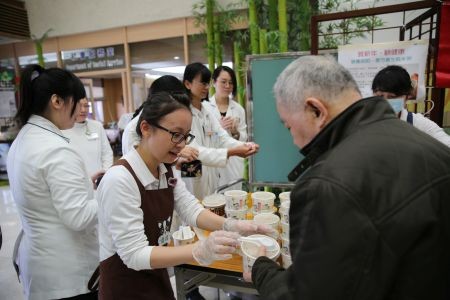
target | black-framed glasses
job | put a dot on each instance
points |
(177, 137)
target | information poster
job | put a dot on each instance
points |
(365, 60)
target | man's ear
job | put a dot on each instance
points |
(318, 109)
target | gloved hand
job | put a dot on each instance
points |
(244, 227)
(218, 246)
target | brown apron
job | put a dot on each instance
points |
(119, 282)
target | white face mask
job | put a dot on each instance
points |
(397, 104)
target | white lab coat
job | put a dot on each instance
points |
(54, 196)
(429, 127)
(235, 167)
(91, 143)
(130, 138)
(212, 142)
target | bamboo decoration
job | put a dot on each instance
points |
(273, 15)
(217, 40)
(253, 24)
(263, 41)
(282, 19)
(38, 42)
(210, 33)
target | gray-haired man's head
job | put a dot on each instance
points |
(310, 92)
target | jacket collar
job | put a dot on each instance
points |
(45, 124)
(360, 113)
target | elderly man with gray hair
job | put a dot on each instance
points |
(369, 216)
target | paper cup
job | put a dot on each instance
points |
(284, 230)
(285, 196)
(237, 214)
(215, 203)
(178, 241)
(268, 219)
(286, 260)
(285, 246)
(250, 252)
(284, 211)
(235, 199)
(262, 201)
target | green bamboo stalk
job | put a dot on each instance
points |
(38, 42)
(282, 18)
(263, 41)
(306, 12)
(238, 71)
(217, 40)
(273, 15)
(253, 25)
(210, 33)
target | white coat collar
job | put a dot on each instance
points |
(47, 125)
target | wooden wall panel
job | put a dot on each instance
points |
(113, 97)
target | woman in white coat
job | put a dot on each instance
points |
(88, 137)
(231, 117)
(54, 196)
(213, 143)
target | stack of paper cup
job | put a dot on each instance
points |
(284, 214)
(285, 196)
(262, 202)
(236, 207)
(270, 220)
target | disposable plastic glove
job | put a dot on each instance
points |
(244, 227)
(218, 246)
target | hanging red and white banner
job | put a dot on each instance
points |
(443, 59)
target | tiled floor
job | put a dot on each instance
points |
(10, 288)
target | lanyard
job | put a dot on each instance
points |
(65, 138)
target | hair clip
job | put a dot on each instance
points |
(34, 75)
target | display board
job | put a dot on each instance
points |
(277, 155)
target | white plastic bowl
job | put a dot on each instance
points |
(250, 253)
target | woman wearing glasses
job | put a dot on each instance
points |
(137, 197)
(213, 143)
(89, 139)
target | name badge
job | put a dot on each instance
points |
(92, 136)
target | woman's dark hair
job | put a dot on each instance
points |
(392, 79)
(192, 70)
(161, 104)
(37, 85)
(166, 83)
(230, 71)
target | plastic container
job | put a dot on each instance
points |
(215, 203)
(235, 199)
(237, 214)
(285, 196)
(284, 211)
(250, 252)
(187, 238)
(262, 201)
